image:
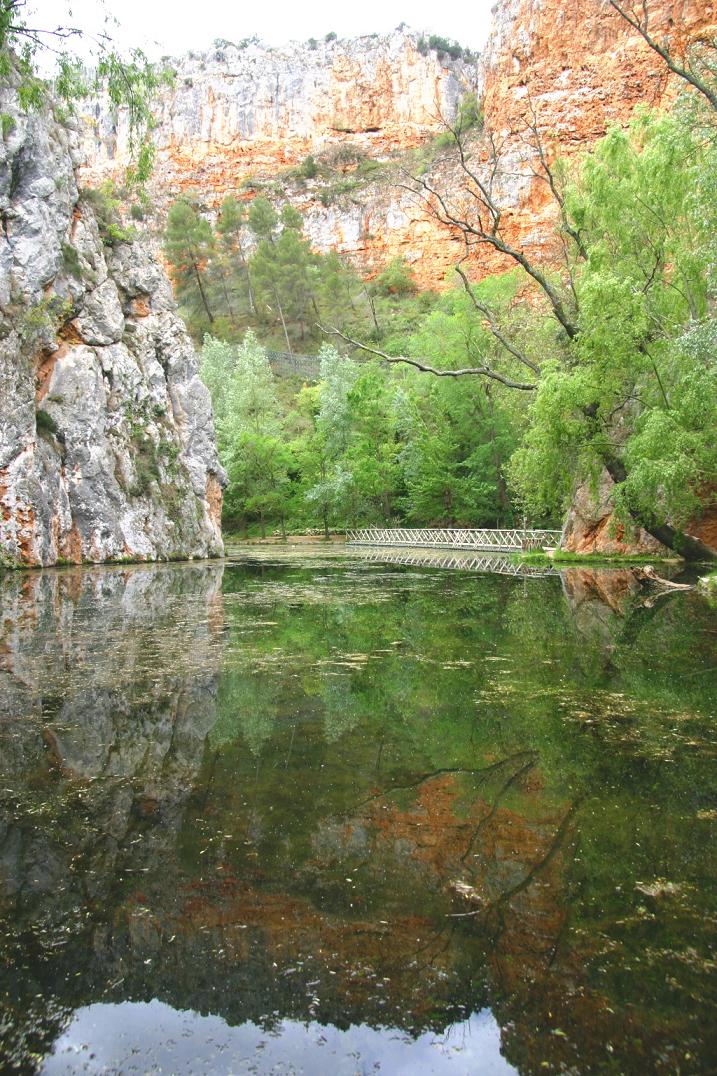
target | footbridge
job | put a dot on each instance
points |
(485, 540)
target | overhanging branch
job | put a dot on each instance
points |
(467, 371)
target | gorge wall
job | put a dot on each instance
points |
(237, 118)
(107, 446)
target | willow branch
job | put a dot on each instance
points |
(493, 325)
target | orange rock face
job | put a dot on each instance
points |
(255, 112)
(578, 68)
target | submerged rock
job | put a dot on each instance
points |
(107, 448)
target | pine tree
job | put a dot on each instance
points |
(189, 246)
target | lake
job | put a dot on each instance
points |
(317, 812)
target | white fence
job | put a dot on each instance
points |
(503, 541)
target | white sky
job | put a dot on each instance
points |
(174, 26)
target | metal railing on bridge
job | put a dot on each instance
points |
(484, 539)
(284, 364)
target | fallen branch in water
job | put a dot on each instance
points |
(649, 575)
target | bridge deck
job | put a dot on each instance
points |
(485, 539)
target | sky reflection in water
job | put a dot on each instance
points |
(185, 1042)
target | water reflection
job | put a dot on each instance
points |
(187, 1043)
(457, 560)
(282, 800)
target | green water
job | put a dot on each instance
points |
(312, 813)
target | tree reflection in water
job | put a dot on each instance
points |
(323, 795)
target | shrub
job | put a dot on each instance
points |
(71, 261)
(308, 167)
(105, 204)
(396, 279)
(44, 422)
(443, 46)
(343, 155)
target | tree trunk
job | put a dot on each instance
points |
(245, 268)
(203, 294)
(373, 310)
(283, 323)
(227, 298)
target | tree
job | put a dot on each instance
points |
(283, 267)
(249, 430)
(258, 466)
(129, 81)
(217, 370)
(252, 402)
(329, 482)
(189, 246)
(373, 451)
(634, 277)
(230, 231)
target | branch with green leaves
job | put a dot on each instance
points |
(129, 81)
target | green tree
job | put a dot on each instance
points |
(638, 394)
(623, 383)
(232, 245)
(217, 369)
(189, 245)
(284, 269)
(249, 424)
(328, 480)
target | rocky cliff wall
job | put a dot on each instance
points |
(107, 446)
(235, 113)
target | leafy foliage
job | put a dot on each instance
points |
(617, 345)
(637, 386)
(130, 82)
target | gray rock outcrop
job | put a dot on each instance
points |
(107, 448)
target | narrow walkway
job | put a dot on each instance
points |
(503, 541)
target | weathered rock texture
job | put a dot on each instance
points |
(233, 113)
(590, 526)
(106, 438)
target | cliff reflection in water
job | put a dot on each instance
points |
(343, 795)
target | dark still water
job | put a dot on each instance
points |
(317, 814)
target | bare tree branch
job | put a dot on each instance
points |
(481, 371)
(493, 325)
(549, 177)
(641, 25)
(483, 232)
